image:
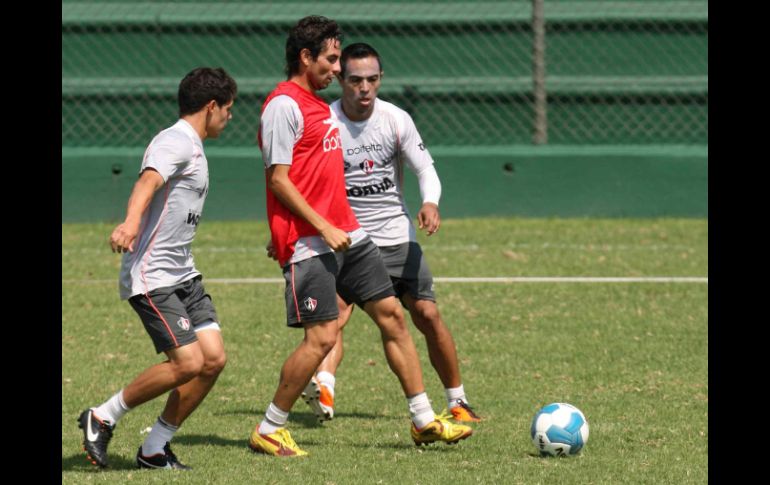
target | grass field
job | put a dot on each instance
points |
(632, 356)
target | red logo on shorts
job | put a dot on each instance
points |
(310, 303)
(183, 323)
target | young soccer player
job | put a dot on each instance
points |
(159, 279)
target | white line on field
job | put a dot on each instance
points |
(444, 247)
(547, 245)
(501, 279)
(576, 279)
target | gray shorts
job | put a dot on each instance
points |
(358, 275)
(170, 314)
(409, 271)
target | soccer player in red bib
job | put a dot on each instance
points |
(319, 244)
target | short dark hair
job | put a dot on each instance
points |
(310, 33)
(359, 50)
(203, 84)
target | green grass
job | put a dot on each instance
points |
(633, 357)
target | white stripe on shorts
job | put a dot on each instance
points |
(208, 325)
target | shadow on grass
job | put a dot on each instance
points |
(405, 446)
(79, 463)
(212, 440)
(367, 416)
(304, 418)
(209, 439)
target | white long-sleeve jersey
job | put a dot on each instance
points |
(375, 151)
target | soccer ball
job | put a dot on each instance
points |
(559, 429)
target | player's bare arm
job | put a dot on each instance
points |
(286, 192)
(429, 218)
(123, 237)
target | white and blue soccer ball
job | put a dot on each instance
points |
(559, 429)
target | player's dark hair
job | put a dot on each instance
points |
(310, 33)
(359, 50)
(203, 84)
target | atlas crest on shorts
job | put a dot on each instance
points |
(310, 303)
(183, 323)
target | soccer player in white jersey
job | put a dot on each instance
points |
(378, 138)
(159, 279)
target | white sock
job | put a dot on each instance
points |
(274, 418)
(113, 409)
(327, 379)
(161, 433)
(421, 410)
(453, 394)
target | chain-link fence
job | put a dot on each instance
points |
(470, 73)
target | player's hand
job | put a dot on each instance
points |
(271, 251)
(337, 239)
(428, 218)
(123, 237)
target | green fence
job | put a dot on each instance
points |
(531, 108)
(619, 72)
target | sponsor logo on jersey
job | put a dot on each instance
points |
(370, 189)
(193, 218)
(421, 145)
(346, 166)
(374, 147)
(367, 166)
(331, 141)
(183, 323)
(310, 303)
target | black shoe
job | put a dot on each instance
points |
(96, 436)
(167, 459)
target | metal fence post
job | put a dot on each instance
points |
(540, 136)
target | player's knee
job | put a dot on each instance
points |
(430, 314)
(345, 313)
(326, 343)
(188, 366)
(427, 319)
(188, 369)
(322, 339)
(213, 366)
(343, 319)
(388, 308)
(391, 319)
